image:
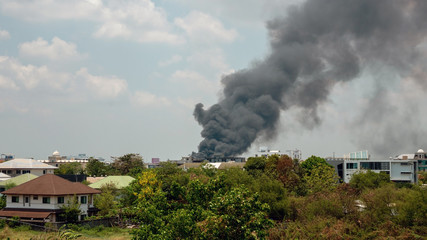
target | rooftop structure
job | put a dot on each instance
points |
(119, 182)
(360, 155)
(420, 156)
(20, 166)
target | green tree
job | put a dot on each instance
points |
(321, 178)
(289, 173)
(236, 214)
(106, 201)
(255, 165)
(129, 163)
(411, 209)
(10, 185)
(313, 162)
(95, 168)
(71, 211)
(368, 180)
(72, 168)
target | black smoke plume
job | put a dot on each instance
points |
(318, 44)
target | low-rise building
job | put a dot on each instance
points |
(420, 156)
(41, 199)
(20, 166)
(398, 170)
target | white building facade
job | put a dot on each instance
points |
(398, 170)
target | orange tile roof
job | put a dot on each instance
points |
(51, 185)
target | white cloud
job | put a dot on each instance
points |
(57, 50)
(103, 87)
(134, 20)
(140, 21)
(147, 99)
(4, 34)
(194, 81)
(30, 76)
(7, 83)
(201, 27)
(170, 61)
(47, 10)
(209, 60)
(250, 13)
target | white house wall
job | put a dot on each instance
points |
(53, 205)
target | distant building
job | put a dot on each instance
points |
(295, 154)
(4, 177)
(6, 157)
(420, 156)
(119, 182)
(217, 165)
(20, 166)
(398, 170)
(360, 155)
(214, 158)
(155, 163)
(57, 160)
(265, 151)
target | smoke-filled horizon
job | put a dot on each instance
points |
(317, 45)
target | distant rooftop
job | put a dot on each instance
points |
(21, 163)
(119, 181)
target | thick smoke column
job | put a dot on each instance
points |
(318, 44)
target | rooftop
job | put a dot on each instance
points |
(119, 181)
(51, 185)
(18, 180)
(21, 163)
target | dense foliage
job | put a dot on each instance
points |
(273, 197)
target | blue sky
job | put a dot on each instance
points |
(107, 78)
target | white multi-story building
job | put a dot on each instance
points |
(399, 170)
(41, 199)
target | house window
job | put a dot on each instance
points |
(26, 171)
(351, 165)
(46, 199)
(15, 199)
(18, 171)
(405, 172)
(60, 199)
(83, 199)
(9, 171)
(35, 197)
(44, 171)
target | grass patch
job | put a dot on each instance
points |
(87, 233)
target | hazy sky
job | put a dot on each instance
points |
(107, 78)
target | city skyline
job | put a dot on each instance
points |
(108, 78)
